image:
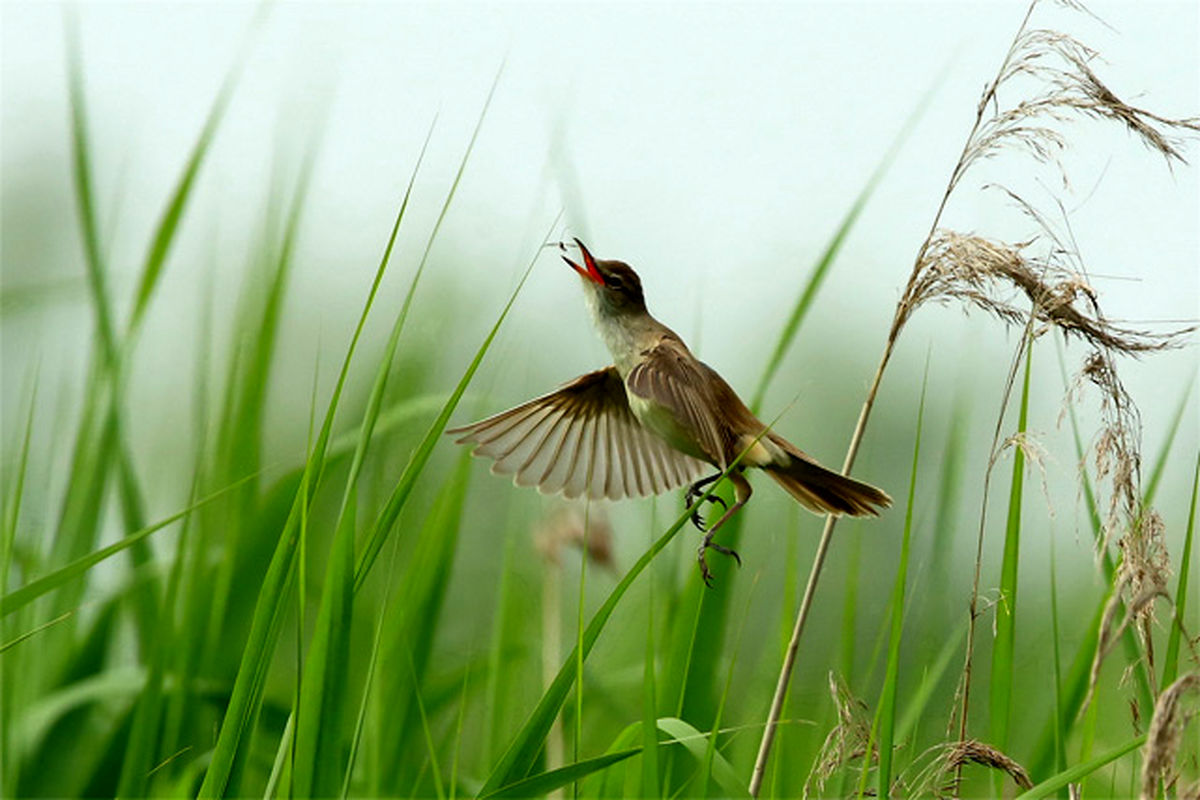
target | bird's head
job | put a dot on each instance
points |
(612, 286)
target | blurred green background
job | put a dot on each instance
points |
(714, 147)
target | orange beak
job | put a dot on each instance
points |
(591, 273)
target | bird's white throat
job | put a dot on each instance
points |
(625, 335)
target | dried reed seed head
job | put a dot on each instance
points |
(972, 751)
(1111, 630)
(984, 273)
(1061, 67)
(565, 526)
(1138, 529)
(846, 742)
(1145, 560)
(941, 777)
(1166, 732)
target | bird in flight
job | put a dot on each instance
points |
(658, 418)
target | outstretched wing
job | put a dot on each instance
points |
(580, 439)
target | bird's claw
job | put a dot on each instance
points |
(697, 517)
(705, 573)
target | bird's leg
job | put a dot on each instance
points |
(743, 491)
(697, 489)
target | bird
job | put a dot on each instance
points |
(654, 420)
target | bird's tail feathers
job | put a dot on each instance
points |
(821, 489)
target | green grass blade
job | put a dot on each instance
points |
(1006, 609)
(1074, 687)
(1171, 660)
(247, 531)
(649, 785)
(885, 714)
(147, 726)
(64, 575)
(949, 495)
(16, 495)
(417, 462)
(323, 688)
(413, 622)
(546, 782)
(246, 697)
(1160, 463)
(97, 270)
(697, 744)
(431, 761)
(360, 721)
(504, 639)
(168, 225)
(387, 518)
(525, 747)
(1073, 775)
(1060, 754)
(834, 246)
(702, 655)
(710, 752)
(918, 702)
(11, 643)
(316, 770)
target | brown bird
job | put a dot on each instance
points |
(657, 419)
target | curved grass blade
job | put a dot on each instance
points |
(396, 502)
(1073, 775)
(40, 586)
(240, 433)
(391, 511)
(98, 436)
(821, 269)
(168, 225)
(697, 744)
(546, 782)
(29, 634)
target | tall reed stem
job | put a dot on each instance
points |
(903, 311)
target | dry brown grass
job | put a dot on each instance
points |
(1046, 81)
(1165, 734)
(846, 742)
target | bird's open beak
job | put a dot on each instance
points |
(591, 273)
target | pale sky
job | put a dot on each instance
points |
(713, 146)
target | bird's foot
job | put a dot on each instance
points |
(697, 517)
(707, 544)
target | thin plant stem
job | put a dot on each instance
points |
(903, 310)
(1022, 352)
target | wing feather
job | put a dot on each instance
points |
(581, 439)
